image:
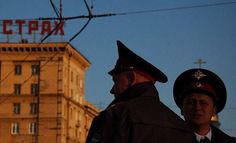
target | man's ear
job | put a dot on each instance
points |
(131, 77)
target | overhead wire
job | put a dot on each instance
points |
(86, 24)
(177, 8)
(90, 16)
(131, 12)
(51, 58)
(55, 9)
(59, 15)
(43, 39)
(141, 11)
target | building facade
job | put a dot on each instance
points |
(42, 93)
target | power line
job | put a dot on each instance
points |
(140, 12)
(50, 59)
(178, 8)
(59, 15)
(134, 12)
(90, 16)
(55, 9)
(29, 77)
(48, 35)
(24, 59)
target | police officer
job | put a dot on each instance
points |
(137, 115)
(201, 94)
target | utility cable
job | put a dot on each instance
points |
(139, 12)
(50, 59)
(90, 16)
(55, 9)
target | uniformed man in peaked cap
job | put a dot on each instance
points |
(136, 115)
(201, 94)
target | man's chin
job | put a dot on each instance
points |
(197, 122)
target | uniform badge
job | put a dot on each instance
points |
(198, 85)
(198, 75)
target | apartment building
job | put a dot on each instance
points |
(42, 93)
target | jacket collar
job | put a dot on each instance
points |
(139, 89)
(219, 136)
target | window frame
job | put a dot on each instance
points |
(16, 108)
(18, 69)
(17, 89)
(32, 128)
(35, 69)
(15, 128)
(33, 108)
(34, 89)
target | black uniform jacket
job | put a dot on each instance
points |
(220, 137)
(138, 116)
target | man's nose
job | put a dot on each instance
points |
(197, 106)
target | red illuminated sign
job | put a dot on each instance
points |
(33, 26)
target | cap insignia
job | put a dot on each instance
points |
(198, 84)
(198, 75)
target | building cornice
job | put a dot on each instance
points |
(52, 47)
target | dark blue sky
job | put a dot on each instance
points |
(171, 40)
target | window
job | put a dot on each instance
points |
(17, 89)
(34, 89)
(16, 108)
(15, 128)
(35, 69)
(33, 108)
(18, 69)
(32, 128)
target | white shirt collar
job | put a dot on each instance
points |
(199, 137)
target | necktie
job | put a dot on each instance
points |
(204, 140)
